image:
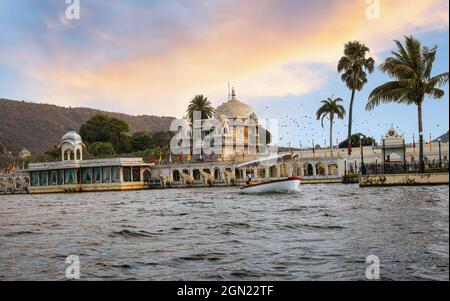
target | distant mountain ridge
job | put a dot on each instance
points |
(444, 138)
(38, 126)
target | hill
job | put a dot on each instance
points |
(444, 137)
(39, 126)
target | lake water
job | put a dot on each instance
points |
(324, 232)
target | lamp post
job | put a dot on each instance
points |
(440, 154)
(345, 167)
(363, 167)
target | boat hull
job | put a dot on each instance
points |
(281, 186)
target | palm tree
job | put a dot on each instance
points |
(201, 104)
(410, 67)
(330, 107)
(353, 64)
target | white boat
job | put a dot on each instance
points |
(287, 185)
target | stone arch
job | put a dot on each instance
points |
(273, 171)
(217, 173)
(308, 170)
(333, 169)
(176, 175)
(238, 173)
(196, 174)
(146, 175)
(283, 170)
(320, 168)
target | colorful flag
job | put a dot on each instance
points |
(180, 158)
(431, 144)
(189, 157)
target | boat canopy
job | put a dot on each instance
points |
(269, 160)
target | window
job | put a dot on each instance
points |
(106, 173)
(70, 176)
(43, 178)
(60, 177)
(86, 175)
(127, 174)
(53, 179)
(35, 178)
(136, 174)
(116, 174)
(97, 175)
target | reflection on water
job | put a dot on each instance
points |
(323, 232)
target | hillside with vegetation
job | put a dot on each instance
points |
(38, 127)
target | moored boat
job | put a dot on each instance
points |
(288, 185)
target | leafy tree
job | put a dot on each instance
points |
(141, 141)
(201, 104)
(410, 67)
(102, 128)
(330, 107)
(352, 66)
(101, 149)
(162, 139)
(54, 152)
(355, 138)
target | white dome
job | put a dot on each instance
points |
(72, 137)
(234, 109)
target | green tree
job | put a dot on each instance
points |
(162, 139)
(356, 141)
(410, 67)
(201, 104)
(102, 128)
(352, 66)
(101, 149)
(330, 107)
(141, 141)
(54, 152)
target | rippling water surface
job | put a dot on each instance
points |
(323, 232)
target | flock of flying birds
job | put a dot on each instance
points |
(299, 130)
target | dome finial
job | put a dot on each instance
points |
(233, 94)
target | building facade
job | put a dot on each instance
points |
(73, 174)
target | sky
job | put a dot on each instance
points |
(151, 57)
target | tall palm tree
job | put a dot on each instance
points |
(329, 108)
(201, 104)
(352, 66)
(410, 68)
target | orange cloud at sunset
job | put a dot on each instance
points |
(261, 47)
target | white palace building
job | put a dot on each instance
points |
(74, 174)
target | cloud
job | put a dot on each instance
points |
(154, 57)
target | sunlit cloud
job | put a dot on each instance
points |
(152, 58)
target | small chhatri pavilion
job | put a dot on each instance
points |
(73, 174)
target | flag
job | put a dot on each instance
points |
(431, 144)
(180, 158)
(211, 156)
(189, 157)
(350, 146)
